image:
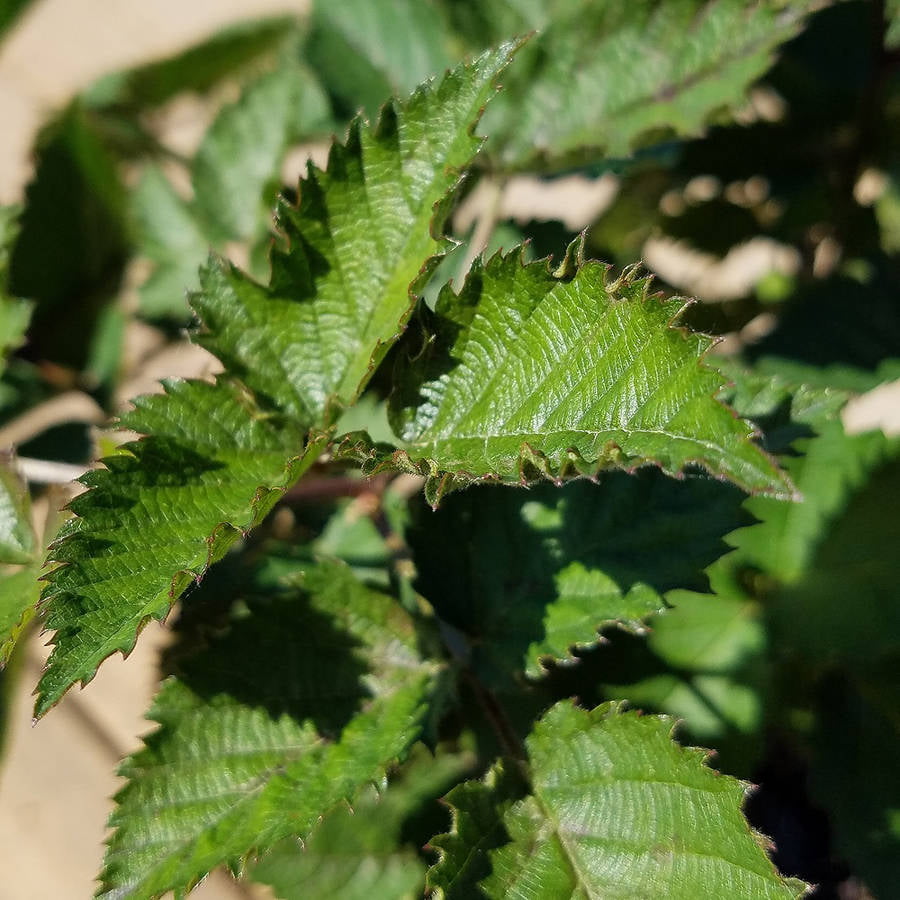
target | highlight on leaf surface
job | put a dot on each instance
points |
(529, 373)
(616, 808)
(216, 459)
(212, 466)
(363, 239)
(313, 690)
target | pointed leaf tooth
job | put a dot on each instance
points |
(527, 375)
(237, 763)
(618, 809)
(360, 240)
(157, 518)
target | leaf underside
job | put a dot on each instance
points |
(616, 809)
(533, 375)
(239, 763)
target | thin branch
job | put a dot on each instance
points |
(48, 471)
(72, 406)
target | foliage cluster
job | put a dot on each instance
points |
(463, 498)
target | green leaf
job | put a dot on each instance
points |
(359, 241)
(241, 154)
(306, 701)
(19, 592)
(703, 662)
(855, 559)
(365, 51)
(611, 76)
(172, 238)
(17, 541)
(358, 853)
(74, 242)
(838, 541)
(350, 856)
(566, 562)
(235, 175)
(158, 517)
(825, 463)
(553, 374)
(14, 313)
(477, 808)
(618, 809)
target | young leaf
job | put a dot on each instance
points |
(618, 809)
(566, 562)
(307, 700)
(158, 517)
(359, 238)
(554, 374)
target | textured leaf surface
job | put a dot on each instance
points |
(609, 75)
(310, 698)
(618, 809)
(359, 853)
(566, 562)
(359, 238)
(157, 517)
(536, 375)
